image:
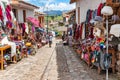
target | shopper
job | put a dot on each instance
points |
(50, 40)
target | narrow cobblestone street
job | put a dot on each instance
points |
(56, 63)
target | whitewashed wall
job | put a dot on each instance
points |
(20, 16)
(84, 6)
(29, 13)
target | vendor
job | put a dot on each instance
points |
(12, 44)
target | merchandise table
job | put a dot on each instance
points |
(2, 49)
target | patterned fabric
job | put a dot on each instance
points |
(1, 15)
(99, 9)
(88, 16)
(8, 14)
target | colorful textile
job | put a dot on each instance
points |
(26, 29)
(88, 16)
(77, 33)
(99, 9)
(1, 14)
(98, 18)
(9, 24)
(33, 29)
(81, 29)
(8, 14)
(3, 7)
(115, 18)
(74, 29)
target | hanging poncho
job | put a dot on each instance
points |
(8, 14)
(1, 15)
(3, 6)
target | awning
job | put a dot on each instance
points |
(34, 21)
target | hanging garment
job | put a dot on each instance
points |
(81, 29)
(113, 1)
(26, 29)
(88, 16)
(91, 33)
(23, 27)
(99, 9)
(33, 28)
(85, 30)
(9, 24)
(13, 17)
(17, 28)
(75, 27)
(94, 13)
(115, 18)
(107, 60)
(98, 18)
(77, 33)
(3, 6)
(1, 14)
(8, 14)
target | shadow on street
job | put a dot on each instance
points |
(63, 71)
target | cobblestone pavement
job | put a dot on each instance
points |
(56, 63)
(81, 69)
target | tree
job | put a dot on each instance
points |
(52, 17)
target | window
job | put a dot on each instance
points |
(24, 15)
(15, 12)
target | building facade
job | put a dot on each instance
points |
(41, 17)
(83, 5)
(22, 10)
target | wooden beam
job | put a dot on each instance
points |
(72, 1)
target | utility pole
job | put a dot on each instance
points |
(47, 20)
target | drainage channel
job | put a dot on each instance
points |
(45, 70)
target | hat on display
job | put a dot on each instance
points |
(107, 10)
(98, 18)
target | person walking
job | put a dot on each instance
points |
(50, 40)
(63, 36)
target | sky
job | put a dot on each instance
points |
(52, 4)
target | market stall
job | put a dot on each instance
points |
(7, 23)
(14, 36)
(90, 39)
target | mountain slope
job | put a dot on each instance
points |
(53, 12)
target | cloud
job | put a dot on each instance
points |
(60, 6)
(51, 4)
